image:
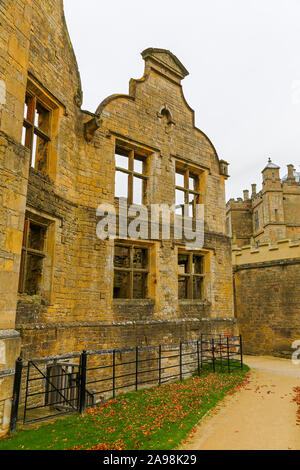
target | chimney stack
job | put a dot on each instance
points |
(253, 186)
(246, 194)
(291, 172)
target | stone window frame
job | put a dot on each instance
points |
(47, 253)
(188, 173)
(132, 153)
(190, 275)
(131, 270)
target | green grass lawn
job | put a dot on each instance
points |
(156, 418)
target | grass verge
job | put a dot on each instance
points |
(156, 418)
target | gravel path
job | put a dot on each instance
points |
(262, 416)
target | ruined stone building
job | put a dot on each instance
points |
(62, 288)
(266, 262)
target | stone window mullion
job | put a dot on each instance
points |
(130, 178)
(131, 272)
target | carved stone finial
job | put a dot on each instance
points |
(165, 61)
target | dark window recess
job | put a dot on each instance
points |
(256, 220)
(190, 276)
(130, 272)
(32, 258)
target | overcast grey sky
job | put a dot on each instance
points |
(244, 62)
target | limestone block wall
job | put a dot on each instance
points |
(267, 301)
(14, 162)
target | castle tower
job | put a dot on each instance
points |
(272, 196)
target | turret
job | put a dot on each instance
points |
(271, 171)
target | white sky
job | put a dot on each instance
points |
(244, 62)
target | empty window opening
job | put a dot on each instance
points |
(33, 254)
(130, 178)
(36, 132)
(186, 192)
(130, 272)
(190, 276)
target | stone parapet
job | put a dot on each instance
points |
(266, 251)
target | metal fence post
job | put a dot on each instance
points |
(241, 351)
(180, 360)
(198, 357)
(16, 395)
(136, 367)
(114, 373)
(26, 392)
(201, 352)
(82, 389)
(220, 351)
(159, 365)
(213, 354)
(228, 356)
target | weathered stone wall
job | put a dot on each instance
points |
(75, 309)
(38, 340)
(267, 297)
(80, 297)
(14, 162)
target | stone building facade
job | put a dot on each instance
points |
(266, 262)
(62, 288)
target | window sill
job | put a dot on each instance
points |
(192, 301)
(34, 299)
(133, 301)
(34, 172)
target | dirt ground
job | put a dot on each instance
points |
(262, 416)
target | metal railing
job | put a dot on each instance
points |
(57, 386)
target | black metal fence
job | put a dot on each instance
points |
(50, 387)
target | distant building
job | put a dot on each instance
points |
(266, 263)
(271, 214)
